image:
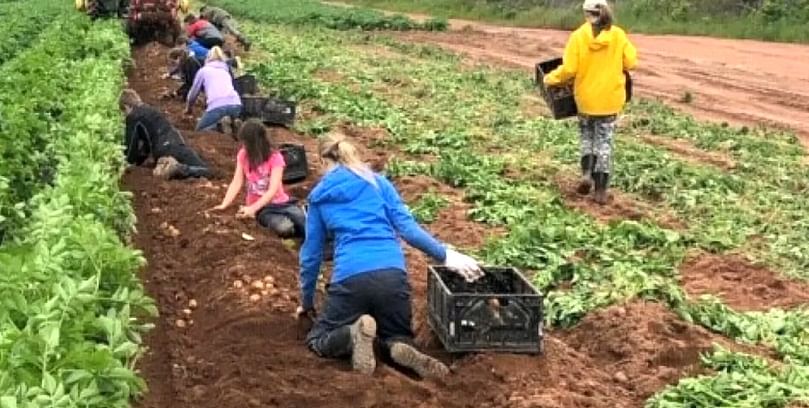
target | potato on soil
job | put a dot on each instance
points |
(180, 323)
(187, 312)
(269, 279)
(238, 284)
(192, 303)
(258, 285)
(255, 298)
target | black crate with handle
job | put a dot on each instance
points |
(561, 99)
(246, 85)
(271, 111)
(297, 167)
(501, 312)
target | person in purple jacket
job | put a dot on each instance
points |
(369, 294)
(224, 105)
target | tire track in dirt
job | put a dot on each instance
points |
(233, 351)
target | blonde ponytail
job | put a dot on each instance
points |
(336, 148)
(216, 54)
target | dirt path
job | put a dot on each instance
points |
(738, 81)
(240, 346)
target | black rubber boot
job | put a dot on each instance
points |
(588, 162)
(602, 183)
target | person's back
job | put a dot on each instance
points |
(149, 123)
(217, 80)
(361, 218)
(599, 82)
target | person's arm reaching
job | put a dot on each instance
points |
(406, 225)
(276, 179)
(570, 65)
(311, 256)
(194, 92)
(233, 189)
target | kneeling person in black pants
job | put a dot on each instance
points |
(149, 133)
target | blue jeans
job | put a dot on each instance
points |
(212, 117)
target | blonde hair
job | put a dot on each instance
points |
(130, 99)
(335, 147)
(216, 54)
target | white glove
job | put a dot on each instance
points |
(463, 265)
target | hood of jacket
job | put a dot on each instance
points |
(218, 65)
(340, 185)
(604, 38)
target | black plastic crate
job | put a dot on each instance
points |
(270, 110)
(246, 85)
(297, 167)
(559, 98)
(500, 312)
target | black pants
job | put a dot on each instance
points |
(273, 216)
(383, 294)
(191, 164)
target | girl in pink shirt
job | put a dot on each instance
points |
(260, 168)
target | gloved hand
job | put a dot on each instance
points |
(464, 265)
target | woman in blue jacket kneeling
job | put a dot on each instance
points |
(369, 294)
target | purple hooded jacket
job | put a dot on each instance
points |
(217, 82)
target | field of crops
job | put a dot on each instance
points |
(71, 305)
(459, 124)
(699, 261)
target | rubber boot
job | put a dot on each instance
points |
(588, 162)
(363, 334)
(424, 365)
(602, 182)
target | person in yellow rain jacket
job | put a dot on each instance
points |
(596, 56)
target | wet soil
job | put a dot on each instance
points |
(226, 291)
(741, 285)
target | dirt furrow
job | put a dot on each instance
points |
(232, 350)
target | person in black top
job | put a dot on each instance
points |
(150, 134)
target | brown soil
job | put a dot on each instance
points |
(736, 81)
(644, 346)
(619, 206)
(688, 152)
(741, 285)
(241, 346)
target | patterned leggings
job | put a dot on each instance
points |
(596, 139)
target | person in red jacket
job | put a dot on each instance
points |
(203, 32)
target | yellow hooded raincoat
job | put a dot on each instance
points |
(597, 64)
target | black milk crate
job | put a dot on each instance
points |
(270, 110)
(297, 167)
(560, 99)
(246, 85)
(501, 311)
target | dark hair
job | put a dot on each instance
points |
(203, 8)
(191, 18)
(256, 140)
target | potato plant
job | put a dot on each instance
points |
(470, 122)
